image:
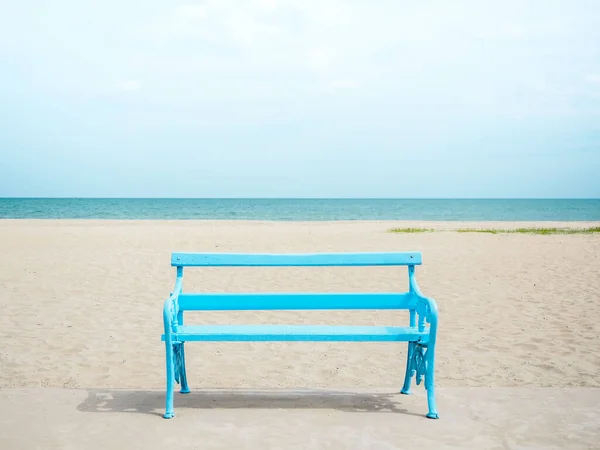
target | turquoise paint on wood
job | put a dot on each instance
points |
(298, 259)
(420, 333)
(309, 333)
(294, 301)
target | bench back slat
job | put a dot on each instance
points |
(305, 259)
(294, 301)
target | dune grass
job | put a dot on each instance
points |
(543, 231)
(479, 230)
(411, 230)
(540, 231)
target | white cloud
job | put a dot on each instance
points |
(268, 5)
(129, 85)
(318, 58)
(343, 84)
(191, 11)
(181, 21)
(222, 21)
(413, 53)
(593, 78)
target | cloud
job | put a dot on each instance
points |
(181, 22)
(129, 86)
(319, 58)
(191, 11)
(497, 58)
(268, 5)
(245, 24)
(343, 84)
(593, 78)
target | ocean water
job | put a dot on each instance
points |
(302, 209)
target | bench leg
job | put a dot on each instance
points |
(170, 380)
(430, 384)
(409, 371)
(182, 374)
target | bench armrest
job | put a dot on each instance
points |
(171, 307)
(426, 308)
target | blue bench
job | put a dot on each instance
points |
(421, 338)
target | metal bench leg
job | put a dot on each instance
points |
(180, 375)
(170, 379)
(409, 371)
(430, 384)
(183, 376)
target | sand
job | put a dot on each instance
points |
(378, 419)
(82, 302)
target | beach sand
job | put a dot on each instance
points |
(82, 309)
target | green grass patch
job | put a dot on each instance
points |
(480, 230)
(411, 230)
(542, 231)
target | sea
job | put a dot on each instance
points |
(302, 209)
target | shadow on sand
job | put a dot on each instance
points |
(153, 402)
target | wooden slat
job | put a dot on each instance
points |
(313, 333)
(294, 301)
(308, 259)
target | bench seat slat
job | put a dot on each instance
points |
(299, 259)
(294, 301)
(311, 333)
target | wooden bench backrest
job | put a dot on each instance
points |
(294, 301)
(297, 260)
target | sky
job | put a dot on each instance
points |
(275, 98)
